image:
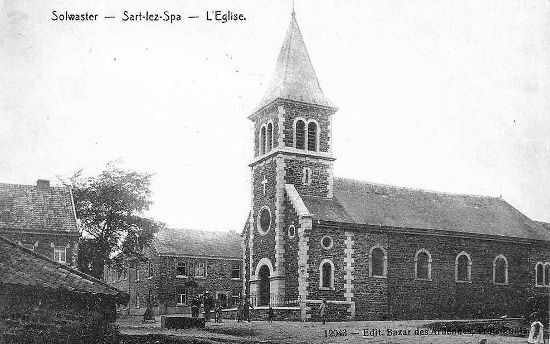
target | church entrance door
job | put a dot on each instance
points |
(264, 286)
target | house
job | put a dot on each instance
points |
(373, 251)
(40, 218)
(178, 265)
(37, 292)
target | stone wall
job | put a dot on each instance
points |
(44, 243)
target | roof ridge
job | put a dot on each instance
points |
(60, 265)
(420, 189)
(34, 185)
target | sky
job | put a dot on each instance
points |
(442, 95)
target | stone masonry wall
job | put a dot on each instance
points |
(322, 116)
(43, 243)
(291, 253)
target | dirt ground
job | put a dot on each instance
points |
(309, 332)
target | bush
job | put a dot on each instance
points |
(43, 326)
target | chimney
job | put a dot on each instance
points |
(43, 184)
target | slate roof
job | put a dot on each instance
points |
(199, 243)
(36, 208)
(294, 77)
(545, 225)
(20, 266)
(363, 203)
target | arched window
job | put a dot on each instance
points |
(326, 274)
(423, 265)
(269, 137)
(539, 274)
(500, 270)
(463, 267)
(262, 140)
(300, 134)
(378, 262)
(312, 136)
(546, 274)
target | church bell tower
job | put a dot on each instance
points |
(292, 149)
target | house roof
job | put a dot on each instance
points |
(38, 207)
(199, 243)
(364, 203)
(294, 77)
(545, 225)
(20, 266)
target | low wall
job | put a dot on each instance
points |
(260, 313)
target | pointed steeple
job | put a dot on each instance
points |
(294, 77)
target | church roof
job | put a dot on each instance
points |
(38, 207)
(198, 243)
(294, 77)
(22, 267)
(362, 203)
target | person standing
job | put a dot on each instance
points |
(207, 304)
(247, 308)
(270, 314)
(240, 309)
(323, 310)
(195, 307)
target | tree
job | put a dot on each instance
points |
(110, 210)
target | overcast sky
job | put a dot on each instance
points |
(443, 95)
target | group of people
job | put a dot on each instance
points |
(209, 305)
(243, 309)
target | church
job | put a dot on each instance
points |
(374, 252)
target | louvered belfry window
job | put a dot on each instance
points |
(312, 136)
(300, 134)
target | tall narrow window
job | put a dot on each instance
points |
(463, 267)
(378, 262)
(423, 265)
(539, 274)
(300, 134)
(312, 136)
(326, 274)
(269, 136)
(500, 270)
(546, 274)
(262, 141)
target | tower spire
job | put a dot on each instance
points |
(294, 77)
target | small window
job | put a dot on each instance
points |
(539, 274)
(307, 176)
(312, 136)
(137, 273)
(378, 262)
(291, 231)
(500, 270)
(60, 254)
(269, 136)
(137, 300)
(326, 242)
(300, 134)
(28, 246)
(181, 269)
(183, 298)
(200, 269)
(463, 267)
(423, 265)
(264, 220)
(236, 270)
(326, 274)
(150, 271)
